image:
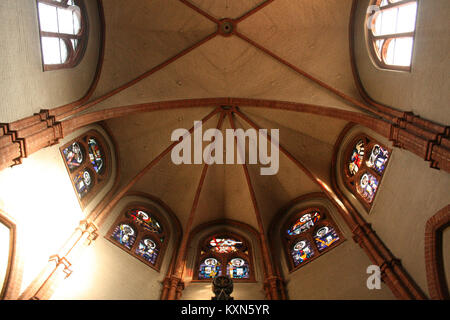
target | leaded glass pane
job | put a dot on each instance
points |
(305, 222)
(367, 187)
(378, 158)
(325, 237)
(83, 182)
(224, 245)
(148, 250)
(301, 251)
(238, 268)
(48, 18)
(73, 155)
(209, 269)
(146, 220)
(125, 235)
(356, 158)
(95, 155)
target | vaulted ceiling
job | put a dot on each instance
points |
(311, 35)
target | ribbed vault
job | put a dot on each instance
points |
(166, 57)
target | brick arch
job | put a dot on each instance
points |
(437, 284)
(378, 125)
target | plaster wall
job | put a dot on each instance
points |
(24, 87)
(408, 195)
(241, 291)
(107, 272)
(340, 273)
(422, 90)
(227, 66)
(51, 211)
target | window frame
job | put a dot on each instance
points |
(371, 38)
(224, 258)
(142, 233)
(8, 280)
(99, 179)
(291, 240)
(351, 181)
(74, 55)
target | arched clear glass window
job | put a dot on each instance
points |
(391, 28)
(63, 31)
(308, 234)
(224, 254)
(364, 164)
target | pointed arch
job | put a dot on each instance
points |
(11, 275)
(437, 282)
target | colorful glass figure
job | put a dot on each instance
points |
(95, 155)
(238, 268)
(301, 252)
(83, 183)
(125, 235)
(146, 220)
(304, 223)
(325, 237)
(148, 250)
(209, 268)
(73, 155)
(378, 158)
(224, 245)
(356, 158)
(367, 187)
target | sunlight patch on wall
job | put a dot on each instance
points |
(79, 284)
(38, 194)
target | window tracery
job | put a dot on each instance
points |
(308, 234)
(365, 162)
(87, 160)
(391, 30)
(140, 232)
(224, 254)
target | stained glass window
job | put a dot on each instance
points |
(305, 222)
(227, 251)
(306, 242)
(87, 164)
(378, 158)
(95, 155)
(325, 236)
(83, 182)
(367, 187)
(222, 245)
(301, 251)
(391, 25)
(238, 268)
(366, 163)
(145, 219)
(125, 235)
(356, 158)
(140, 230)
(209, 268)
(74, 155)
(148, 250)
(63, 31)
